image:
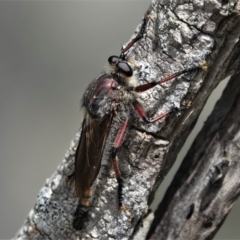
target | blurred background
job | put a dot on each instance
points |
(49, 52)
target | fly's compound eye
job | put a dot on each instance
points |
(113, 60)
(125, 69)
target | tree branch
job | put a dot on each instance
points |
(207, 184)
(178, 36)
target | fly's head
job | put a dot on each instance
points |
(123, 70)
(120, 66)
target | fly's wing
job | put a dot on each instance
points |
(89, 152)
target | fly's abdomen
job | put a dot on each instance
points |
(99, 95)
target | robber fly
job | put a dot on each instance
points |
(108, 97)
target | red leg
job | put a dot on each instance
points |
(117, 143)
(147, 86)
(138, 37)
(140, 110)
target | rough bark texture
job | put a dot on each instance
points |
(207, 184)
(180, 34)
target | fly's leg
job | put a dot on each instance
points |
(139, 108)
(137, 38)
(142, 113)
(116, 145)
(83, 205)
(150, 85)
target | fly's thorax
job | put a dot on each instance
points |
(101, 96)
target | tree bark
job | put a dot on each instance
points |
(179, 35)
(207, 183)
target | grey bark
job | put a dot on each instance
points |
(207, 183)
(180, 34)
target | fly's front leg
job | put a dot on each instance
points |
(150, 85)
(137, 38)
(117, 143)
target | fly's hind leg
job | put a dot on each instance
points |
(116, 145)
